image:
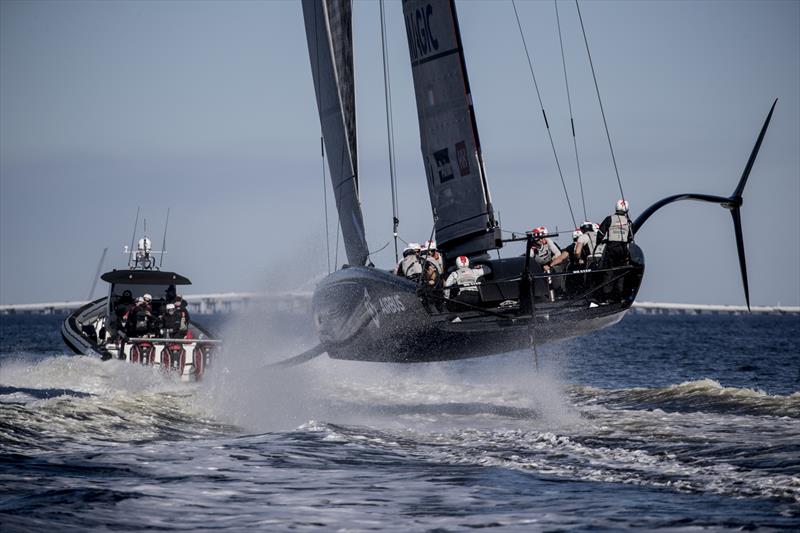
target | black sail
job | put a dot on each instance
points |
(330, 47)
(462, 208)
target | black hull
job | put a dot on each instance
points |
(366, 314)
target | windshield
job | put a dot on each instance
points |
(158, 292)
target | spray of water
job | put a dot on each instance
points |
(244, 392)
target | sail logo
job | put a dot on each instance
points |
(421, 41)
(443, 165)
(462, 159)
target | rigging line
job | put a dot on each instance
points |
(336, 256)
(380, 249)
(600, 101)
(546, 123)
(569, 103)
(325, 199)
(338, 204)
(389, 129)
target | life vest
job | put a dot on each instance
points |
(141, 321)
(465, 278)
(620, 229)
(595, 250)
(410, 266)
(174, 323)
(544, 254)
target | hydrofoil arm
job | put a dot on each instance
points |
(732, 203)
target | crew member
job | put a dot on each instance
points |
(550, 257)
(587, 251)
(545, 252)
(462, 284)
(411, 265)
(431, 254)
(616, 232)
(578, 253)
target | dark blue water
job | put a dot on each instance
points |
(673, 422)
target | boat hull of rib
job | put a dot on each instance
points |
(84, 332)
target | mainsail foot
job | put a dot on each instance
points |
(733, 203)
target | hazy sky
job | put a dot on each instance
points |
(208, 108)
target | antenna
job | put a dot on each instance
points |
(97, 274)
(164, 241)
(133, 237)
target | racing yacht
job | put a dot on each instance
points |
(366, 313)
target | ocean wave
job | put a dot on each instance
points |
(69, 400)
(705, 395)
(571, 457)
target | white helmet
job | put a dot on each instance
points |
(577, 233)
(410, 248)
(430, 245)
(462, 261)
(170, 307)
(621, 206)
(147, 298)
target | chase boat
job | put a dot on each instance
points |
(101, 327)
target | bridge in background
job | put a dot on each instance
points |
(231, 302)
(202, 304)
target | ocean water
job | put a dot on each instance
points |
(661, 422)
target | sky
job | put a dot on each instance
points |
(207, 108)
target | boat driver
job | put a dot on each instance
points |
(172, 327)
